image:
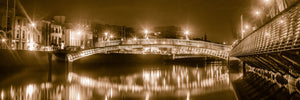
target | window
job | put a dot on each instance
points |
(18, 32)
(56, 30)
(19, 21)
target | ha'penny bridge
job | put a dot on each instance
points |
(269, 54)
(175, 47)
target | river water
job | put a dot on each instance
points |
(122, 77)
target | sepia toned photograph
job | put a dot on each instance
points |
(149, 49)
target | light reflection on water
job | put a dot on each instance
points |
(178, 81)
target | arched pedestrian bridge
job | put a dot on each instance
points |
(186, 48)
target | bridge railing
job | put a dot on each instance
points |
(185, 47)
(200, 44)
(282, 33)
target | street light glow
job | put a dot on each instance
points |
(111, 36)
(106, 34)
(186, 32)
(266, 1)
(3, 40)
(33, 24)
(257, 13)
(146, 34)
(246, 26)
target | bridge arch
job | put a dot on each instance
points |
(175, 46)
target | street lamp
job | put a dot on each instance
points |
(105, 35)
(146, 34)
(257, 13)
(186, 34)
(246, 26)
(3, 40)
(111, 36)
(33, 24)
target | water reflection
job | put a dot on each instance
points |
(178, 81)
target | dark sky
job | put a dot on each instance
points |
(215, 17)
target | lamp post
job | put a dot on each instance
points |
(146, 34)
(258, 14)
(186, 34)
(105, 35)
(111, 37)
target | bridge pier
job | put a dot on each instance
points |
(68, 66)
(50, 67)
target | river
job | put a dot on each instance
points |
(107, 77)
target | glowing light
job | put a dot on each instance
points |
(146, 76)
(147, 96)
(78, 96)
(267, 1)
(281, 21)
(111, 92)
(267, 34)
(2, 94)
(3, 40)
(164, 82)
(33, 24)
(134, 39)
(29, 90)
(188, 96)
(31, 45)
(12, 92)
(62, 45)
(243, 31)
(257, 12)
(78, 32)
(106, 34)
(111, 36)
(246, 26)
(186, 32)
(146, 34)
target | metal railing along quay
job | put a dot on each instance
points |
(279, 34)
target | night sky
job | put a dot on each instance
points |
(218, 18)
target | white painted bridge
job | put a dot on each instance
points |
(157, 46)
